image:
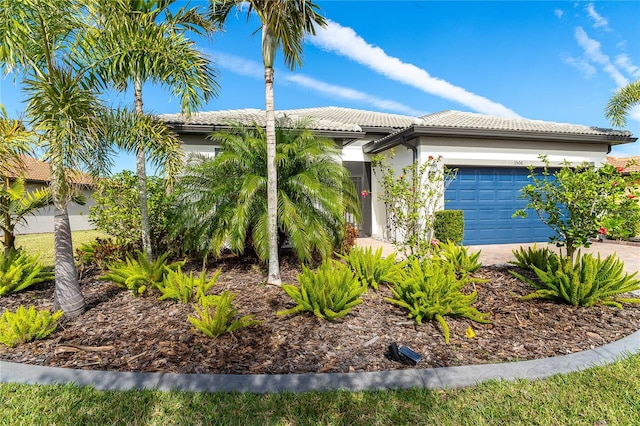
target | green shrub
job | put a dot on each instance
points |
(329, 292)
(623, 222)
(117, 209)
(26, 325)
(18, 270)
(139, 274)
(459, 257)
(371, 268)
(215, 315)
(431, 291)
(587, 282)
(448, 225)
(102, 252)
(541, 258)
(183, 288)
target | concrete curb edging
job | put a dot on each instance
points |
(431, 378)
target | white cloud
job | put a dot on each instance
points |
(255, 70)
(598, 20)
(351, 94)
(559, 13)
(345, 41)
(239, 65)
(624, 61)
(593, 52)
(581, 65)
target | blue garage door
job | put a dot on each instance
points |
(489, 196)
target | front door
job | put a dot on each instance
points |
(360, 173)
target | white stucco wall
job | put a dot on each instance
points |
(42, 221)
(484, 152)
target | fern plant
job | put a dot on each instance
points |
(371, 268)
(25, 325)
(329, 292)
(541, 258)
(587, 282)
(138, 275)
(431, 291)
(183, 288)
(463, 262)
(216, 313)
(18, 270)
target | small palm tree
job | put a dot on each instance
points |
(144, 41)
(223, 200)
(15, 141)
(284, 26)
(16, 204)
(621, 102)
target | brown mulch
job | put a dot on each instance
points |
(120, 332)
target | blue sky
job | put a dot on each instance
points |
(545, 60)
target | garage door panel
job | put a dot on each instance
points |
(489, 197)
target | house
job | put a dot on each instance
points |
(36, 176)
(630, 164)
(491, 154)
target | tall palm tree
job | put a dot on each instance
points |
(222, 200)
(39, 40)
(46, 42)
(152, 47)
(284, 26)
(621, 102)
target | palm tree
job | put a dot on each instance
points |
(17, 204)
(39, 40)
(152, 47)
(284, 26)
(222, 200)
(15, 141)
(621, 102)
(47, 43)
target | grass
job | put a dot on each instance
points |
(42, 244)
(607, 393)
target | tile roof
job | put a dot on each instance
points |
(324, 118)
(40, 171)
(468, 120)
(355, 120)
(631, 164)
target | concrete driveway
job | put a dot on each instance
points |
(496, 254)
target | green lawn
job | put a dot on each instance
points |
(42, 244)
(609, 393)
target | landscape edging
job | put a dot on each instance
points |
(431, 378)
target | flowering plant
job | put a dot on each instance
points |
(581, 201)
(410, 199)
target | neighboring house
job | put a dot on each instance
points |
(491, 154)
(630, 164)
(37, 175)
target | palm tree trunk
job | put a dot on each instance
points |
(142, 182)
(67, 294)
(272, 181)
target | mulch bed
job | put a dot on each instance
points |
(120, 332)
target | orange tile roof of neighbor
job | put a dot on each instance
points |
(40, 171)
(630, 164)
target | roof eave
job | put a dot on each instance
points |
(416, 131)
(205, 129)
